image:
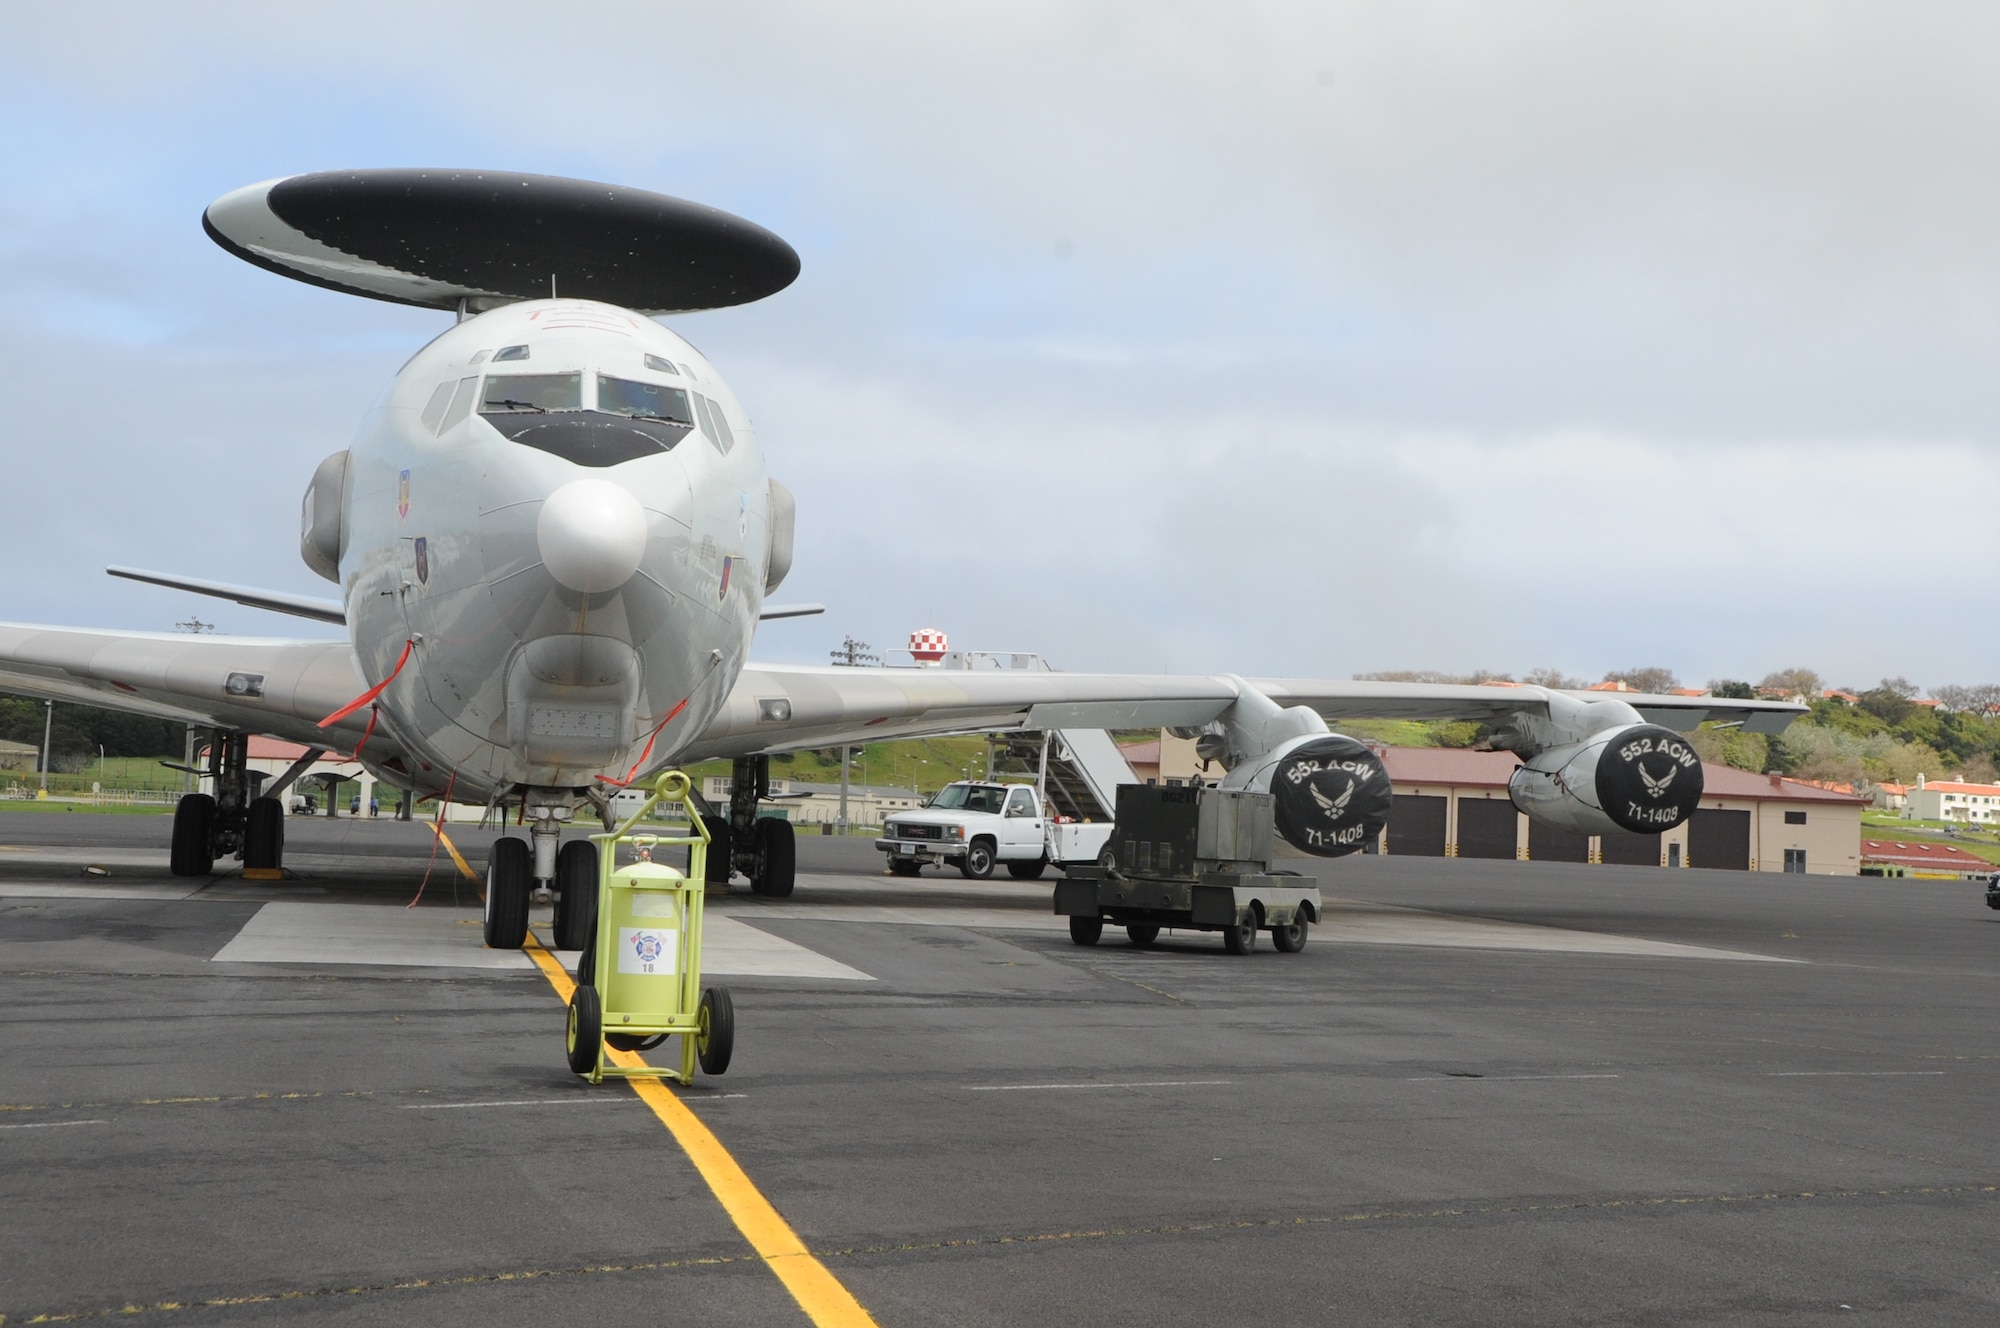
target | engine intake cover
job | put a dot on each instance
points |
(1332, 796)
(1648, 779)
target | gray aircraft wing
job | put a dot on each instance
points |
(255, 684)
(785, 707)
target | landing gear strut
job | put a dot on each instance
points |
(761, 847)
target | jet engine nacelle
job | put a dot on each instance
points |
(1639, 778)
(1330, 793)
(320, 517)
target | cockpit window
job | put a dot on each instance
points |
(643, 401)
(506, 393)
(510, 353)
(664, 366)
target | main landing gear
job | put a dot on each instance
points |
(760, 847)
(230, 822)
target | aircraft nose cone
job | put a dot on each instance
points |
(592, 535)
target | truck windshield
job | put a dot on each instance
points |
(970, 797)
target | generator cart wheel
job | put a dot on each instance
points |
(1085, 931)
(264, 834)
(191, 855)
(1291, 939)
(978, 863)
(586, 1029)
(576, 893)
(715, 1030)
(904, 866)
(777, 858)
(1143, 935)
(1027, 871)
(509, 871)
(1240, 940)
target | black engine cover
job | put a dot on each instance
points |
(1332, 796)
(1648, 779)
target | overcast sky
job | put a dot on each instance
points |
(1299, 339)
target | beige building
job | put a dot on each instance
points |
(1952, 800)
(819, 804)
(1453, 803)
(20, 756)
(1164, 760)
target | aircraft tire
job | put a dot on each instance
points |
(1027, 871)
(1142, 935)
(1240, 940)
(192, 853)
(1291, 939)
(586, 1028)
(576, 894)
(777, 858)
(977, 864)
(718, 849)
(264, 834)
(509, 871)
(904, 867)
(715, 1025)
(1086, 931)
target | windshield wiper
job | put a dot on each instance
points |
(521, 405)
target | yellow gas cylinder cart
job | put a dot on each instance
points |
(638, 978)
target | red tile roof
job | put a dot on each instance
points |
(1956, 786)
(1141, 753)
(1923, 856)
(275, 749)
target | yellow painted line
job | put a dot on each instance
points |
(818, 1292)
(452, 849)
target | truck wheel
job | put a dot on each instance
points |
(1291, 939)
(978, 864)
(904, 866)
(586, 1029)
(576, 893)
(1027, 871)
(1142, 936)
(1240, 940)
(510, 868)
(192, 854)
(1085, 931)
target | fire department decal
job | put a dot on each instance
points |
(647, 951)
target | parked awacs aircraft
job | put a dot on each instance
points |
(554, 534)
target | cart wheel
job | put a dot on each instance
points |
(576, 894)
(509, 867)
(1240, 940)
(978, 862)
(1027, 871)
(586, 1029)
(904, 867)
(1085, 931)
(264, 834)
(1142, 936)
(1292, 939)
(192, 855)
(715, 1030)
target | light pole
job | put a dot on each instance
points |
(48, 723)
(100, 767)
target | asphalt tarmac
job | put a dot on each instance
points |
(1486, 1093)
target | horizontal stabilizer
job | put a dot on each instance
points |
(772, 612)
(474, 240)
(299, 606)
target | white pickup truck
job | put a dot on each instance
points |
(972, 826)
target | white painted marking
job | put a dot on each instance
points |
(1153, 1083)
(1496, 1078)
(291, 933)
(524, 1102)
(1847, 1074)
(52, 1124)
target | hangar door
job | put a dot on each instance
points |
(1486, 828)
(1632, 850)
(1719, 839)
(1416, 827)
(1548, 844)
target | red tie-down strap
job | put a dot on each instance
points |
(368, 697)
(437, 830)
(647, 750)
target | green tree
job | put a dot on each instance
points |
(1645, 680)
